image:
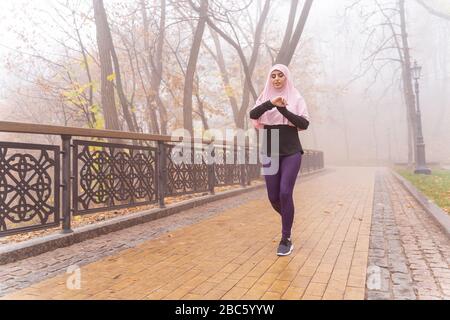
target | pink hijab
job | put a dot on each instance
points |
(296, 103)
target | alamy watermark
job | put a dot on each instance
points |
(374, 277)
(240, 145)
(73, 281)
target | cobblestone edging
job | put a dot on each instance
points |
(409, 254)
(21, 274)
(437, 213)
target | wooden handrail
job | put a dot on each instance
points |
(33, 128)
(21, 127)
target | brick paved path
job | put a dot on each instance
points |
(227, 250)
(24, 273)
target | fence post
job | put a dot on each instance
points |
(211, 171)
(247, 160)
(322, 161)
(162, 173)
(240, 150)
(66, 183)
(314, 160)
(319, 156)
(307, 162)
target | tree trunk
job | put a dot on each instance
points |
(91, 118)
(118, 77)
(242, 114)
(407, 78)
(201, 112)
(285, 55)
(225, 76)
(123, 99)
(288, 33)
(192, 65)
(156, 65)
(107, 88)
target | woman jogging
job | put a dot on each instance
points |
(281, 107)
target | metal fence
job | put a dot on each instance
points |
(43, 186)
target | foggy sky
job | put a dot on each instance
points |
(374, 120)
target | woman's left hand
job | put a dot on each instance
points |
(283, 103)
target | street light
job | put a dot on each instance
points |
(421, 167)
(416, 71)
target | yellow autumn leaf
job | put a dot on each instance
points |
(100, 123)
(229, 91)
(111, 77)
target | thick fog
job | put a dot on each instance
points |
(358, 113)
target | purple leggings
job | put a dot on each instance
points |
(280, 187)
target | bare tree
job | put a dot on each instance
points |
(290, 41)
(125, 55)
(284, 54)
(248, 66)
(235, 44)
(63, 78)
(225, 75)
(434, 11)
(387, 44)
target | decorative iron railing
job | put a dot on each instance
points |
(43, 186)
(29, 187)
(110, 176)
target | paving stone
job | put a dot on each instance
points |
(403, 289)
(377, 261)
(379, 295)
(377, 243)
(380, 253)
(395, 266)
(415, 249)
(401, 278)
(427, 297)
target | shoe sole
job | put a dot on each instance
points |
(286, 254)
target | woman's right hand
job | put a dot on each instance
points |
(278, 101)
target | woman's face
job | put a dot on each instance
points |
(278, 79)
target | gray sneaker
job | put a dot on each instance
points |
(285, 247)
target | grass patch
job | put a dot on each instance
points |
(435, 186)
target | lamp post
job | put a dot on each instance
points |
(421, 167)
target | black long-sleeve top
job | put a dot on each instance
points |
(288, 135)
